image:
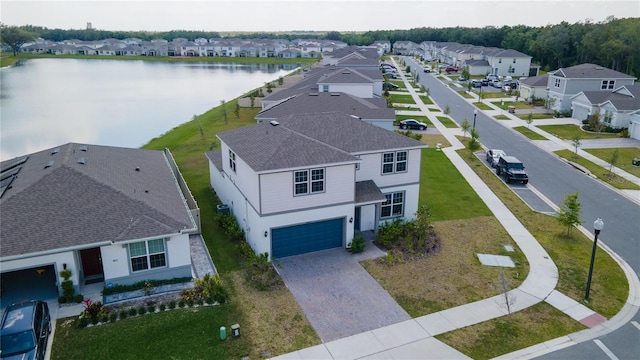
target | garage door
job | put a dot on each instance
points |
(300, 239)
(34, 283)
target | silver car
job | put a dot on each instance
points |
(493, 155)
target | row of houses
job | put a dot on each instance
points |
(480, 60)
(279, 48)
(319, 164)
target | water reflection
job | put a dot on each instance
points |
(48, 102)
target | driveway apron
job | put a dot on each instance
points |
(337, 294)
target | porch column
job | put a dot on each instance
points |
(376, 219)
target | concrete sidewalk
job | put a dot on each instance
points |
(414, 338)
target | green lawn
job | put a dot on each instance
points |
(434, 110)
(482, 106)
(535, 116)
(529, 133)
(600, 172)
(447, 122)
(465, 94)
(625, 155)
(569, 131)
(517, 105)
(402, 99)
(426, 100)
(501, 117)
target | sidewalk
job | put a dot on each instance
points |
(414, 338)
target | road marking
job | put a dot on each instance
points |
(605, 350)
(635, 323)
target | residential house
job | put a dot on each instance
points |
(508, 63)
(534, 87)
(373, 111)
(615, 107)
(307, 182)
(383, 46)
(108, 214)
(352, 82)
(405, 48)
(565, 83)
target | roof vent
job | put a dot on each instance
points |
(81, 161)
(55, 151)
(356, 117)
(599, 68)
(274, 123)
(83, 148)
(313, 94)
(335, 94)
(48, 164)
(137, 168)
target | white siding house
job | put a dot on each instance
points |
(306, 182)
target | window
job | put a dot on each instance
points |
(147, 255)
(325, 88)
(394, 162)
(512, 70)
(393, 206)
(499, 61)
(608, 115)
(557, 83)
(514, 61)
(308, 181)
(607, 84)
(232, 160)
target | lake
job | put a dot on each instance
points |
(50, 102)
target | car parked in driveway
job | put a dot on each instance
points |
(412, 124)
(390, 86)
(512, 169)
(476, 83)
(25, 330)
(450, 69)
(493, 155)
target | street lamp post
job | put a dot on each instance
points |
(597, 226)
(475, 113)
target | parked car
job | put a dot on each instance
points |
(476, 83)
(485, 82)
(390, 86)
(450, 69)
(412, 124)
(461, 79)
(391, 75)
(427, 69)
(492, 77)
(512, 169)
(496, 84)
(25, 329)
(493, 155)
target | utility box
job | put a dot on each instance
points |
(235, 330)
(223, 209)
(223, 333)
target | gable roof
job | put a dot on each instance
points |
(590, 71)
(314, 102)
(626, 98)
(56, 202)
(540, 80)
(347, 76)
(313, 139)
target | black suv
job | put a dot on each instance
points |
(25, 330)
(512, 169)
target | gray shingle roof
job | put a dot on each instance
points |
(321, 102)
(313, 139)
(69, 204)
(620, 99)
(368, 192)
(540, 80)
(346, 76)
(590, 71)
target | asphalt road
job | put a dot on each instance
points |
(555, 179)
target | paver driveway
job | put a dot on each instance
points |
(337, 294)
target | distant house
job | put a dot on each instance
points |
(373, 111)
(615, 107)
(352, 82)
(565, 83)
(307, 182)
(534, 87)
(108, 214)
(509, 62)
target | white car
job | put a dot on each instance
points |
(493, 155)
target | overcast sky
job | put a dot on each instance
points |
(323, 15)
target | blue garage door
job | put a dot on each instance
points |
(300, 239)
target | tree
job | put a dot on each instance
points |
(473, 145)
(465, 126)
(447, 110)
(529, 119)
(613, 159)
(269, 87)
(465, 73)
(569, 212)
(280, 81)
(236, 110)
(224, 110)
(576, 142)
(15, 37)
(422, 224)
(595, 122)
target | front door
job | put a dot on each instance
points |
(92, 265)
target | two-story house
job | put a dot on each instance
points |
(564, 83)
(615, 107)
(306, 182)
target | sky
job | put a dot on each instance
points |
(315, 15)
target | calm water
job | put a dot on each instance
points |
(50, 102)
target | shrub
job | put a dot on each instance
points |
(200, 302)
(172, 304)
(78, 298)
(190, 302)
(93, 310)
(62, 300)
(151, 308)
(358, 244)
(113, 316)
(230, 226)
(123, 314)
(142, 310)
(181, 303)
(116, 289)
(133, 312)
(162, 307)
(211, 287)
(83, 321)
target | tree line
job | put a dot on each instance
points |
(613, 43)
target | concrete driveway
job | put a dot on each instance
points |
(337, 294)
